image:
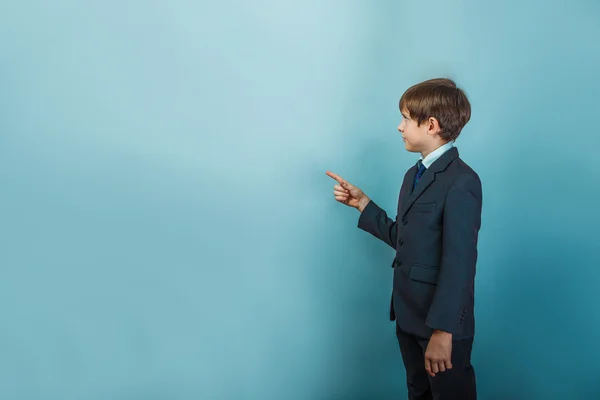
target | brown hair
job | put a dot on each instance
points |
(441, 99)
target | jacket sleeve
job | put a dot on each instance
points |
(375, 221)
(461, 223)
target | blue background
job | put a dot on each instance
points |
(168, 230)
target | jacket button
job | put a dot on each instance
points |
(401, 242)
(404, 221)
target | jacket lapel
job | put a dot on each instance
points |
(427, 179)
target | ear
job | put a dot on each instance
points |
(433, 126)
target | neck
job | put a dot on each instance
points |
(427, 152)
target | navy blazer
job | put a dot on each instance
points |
(435, 236)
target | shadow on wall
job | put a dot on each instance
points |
(547, 282)
(535, 311)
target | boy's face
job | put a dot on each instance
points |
(415, 137)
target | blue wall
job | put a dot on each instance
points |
(168, 230)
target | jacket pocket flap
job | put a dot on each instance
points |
(424, 273)
(424, 207)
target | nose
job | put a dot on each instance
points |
(400, 127)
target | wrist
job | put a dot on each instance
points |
(362, 203)
(441, 333)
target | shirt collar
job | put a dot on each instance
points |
(437, 153)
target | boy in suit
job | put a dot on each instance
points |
(435, 235)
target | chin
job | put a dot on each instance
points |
(408, 147)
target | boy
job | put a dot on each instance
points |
(435, 237)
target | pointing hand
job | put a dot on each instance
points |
(348, 194)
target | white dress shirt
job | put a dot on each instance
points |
(437, 153)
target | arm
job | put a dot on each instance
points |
(375, 221)
(461, 223)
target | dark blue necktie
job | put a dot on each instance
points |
(420, 172)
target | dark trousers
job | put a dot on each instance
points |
(457, 383)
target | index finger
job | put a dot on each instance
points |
(335, 176)
(428, 366)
